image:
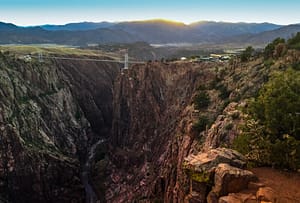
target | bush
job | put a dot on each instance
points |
(268, 63)
(201, 124)
(229, 126)
(294, 42)
(286, 153)
(278, 104)
(296, 66)
(270, 48)
(271, 136)
(201, 100)
(241, 144)
(224, 93)
(235, 115)
(247, 54)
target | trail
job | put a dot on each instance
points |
(91, 196)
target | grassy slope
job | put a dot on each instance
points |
(20, 50)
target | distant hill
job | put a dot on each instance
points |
(161, 31)
(7, 26)
(215, 31)
(265, 37)
(152, 31)
(156, 31)
(78, 26)
(78, 38)
(232, 28)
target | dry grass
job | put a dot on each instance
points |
(54, 50)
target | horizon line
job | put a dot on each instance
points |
(144, 20)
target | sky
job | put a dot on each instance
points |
(39, 12)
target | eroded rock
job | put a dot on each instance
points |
(208, 161)
(229, 179)
(266, 194)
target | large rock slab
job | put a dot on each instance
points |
(208, 161)
(220, 167)
(229, 179)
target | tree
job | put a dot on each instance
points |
(271, 134)
(247, 54)
(201, 100)
(278, 104)
(294, 42)
(270, 48)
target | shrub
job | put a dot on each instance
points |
(201, 100)
(294, 42)
(278, 104)
(201, 124)
(296, 66)
(272, 135)
(268, 63)
(224, 93)
(201, 87)
(286, 153)
(241, 144)
(270, 48)
(235, 115)
(229, 126)
(247, 54)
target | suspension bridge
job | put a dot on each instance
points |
(126, 60)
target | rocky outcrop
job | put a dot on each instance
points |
(45, 126)
(226, 127)
(229, 179)
(209, 160)
(216, 173)
(217, 176)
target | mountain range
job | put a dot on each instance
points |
(151, 31)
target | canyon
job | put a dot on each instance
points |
(86, 131)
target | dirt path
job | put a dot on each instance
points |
(285, 184)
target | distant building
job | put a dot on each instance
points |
(26, 58)
(183, 58)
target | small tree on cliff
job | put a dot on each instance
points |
(271, 47)
(201, 100)
(247, 54)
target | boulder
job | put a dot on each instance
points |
(266, 194)
(229, 179)
(220, 166)
(238, 198)
(208, 161)
(229, 199)
(194, 197)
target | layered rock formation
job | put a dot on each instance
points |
(152, 131)
(50, 112)
(153, 124)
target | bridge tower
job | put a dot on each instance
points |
(40, 57)
(126, 61)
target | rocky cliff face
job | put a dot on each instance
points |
(153, 124)
(152, 130)
(50, 112)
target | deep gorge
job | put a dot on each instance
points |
(52, 114)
